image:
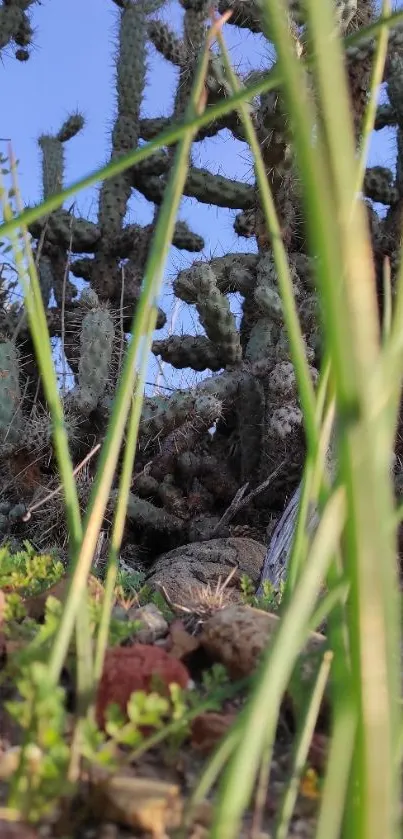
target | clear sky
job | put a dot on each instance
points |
(71, 68)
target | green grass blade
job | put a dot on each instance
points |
(303, 377)
(212, 772)
(261, 714)
(338, 774)
(387, 301)
(126, 477)
(304, 381)
(392, 356)
(303, 742)
(313, 168)
(314, 489)
(140, 342)
(348, 300)
(337, 594)
(34, 307)
(41, 339)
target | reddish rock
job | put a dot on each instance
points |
(128, 669)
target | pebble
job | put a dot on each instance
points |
(154, 624)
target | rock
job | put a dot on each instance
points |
(237, 635)
(146, 805)
(185, 571)
(130, 669)
(119, 613)
(142, 804)
(203, 528)
(154, 625)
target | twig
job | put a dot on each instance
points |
(241, 500)
(122, 331)
(236, 504)
(60, 487)
(99, 548)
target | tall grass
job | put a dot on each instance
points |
(354, 542)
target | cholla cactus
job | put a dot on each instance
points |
(15, 27)
(242, 422)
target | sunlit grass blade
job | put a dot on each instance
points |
(36, 316)
(303, 742)
(314, 484)
(347, 291)
(387, 300)
(304, 381)
(212, 772)
(259, 720)
(373, 602)
(140, 343)
(338, 773)
(34, 307)
(120, 511)
(297, 347)
(337, 594)
(35, 310)
(316, 178)
(391, 368)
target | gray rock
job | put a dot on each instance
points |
(154, 625)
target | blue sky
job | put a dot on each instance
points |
(71, 68)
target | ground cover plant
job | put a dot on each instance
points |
(316, 358)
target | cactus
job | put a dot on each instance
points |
(241, 422)
(194, 351)
(146, 515)
(216, 317)
(166, 42)
(46, 279)
(15, 26)
(200, 184)
(379, 186)
(10, 395)
(53, 154)
(96, 343)
(176, 409)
